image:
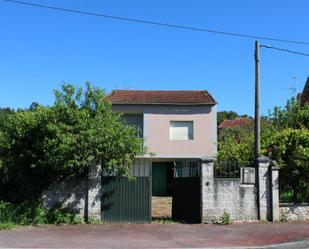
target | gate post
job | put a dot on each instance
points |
(275, 192)
(93, 198)
(208, 211)
(264, 189)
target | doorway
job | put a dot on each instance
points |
(162, 190)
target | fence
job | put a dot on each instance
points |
(227, 170)
(294, 181)
(288, 194)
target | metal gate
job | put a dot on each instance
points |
(187, 192)
(127, 200)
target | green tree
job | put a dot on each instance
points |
(293, 115)
(42, 145)
(4, 115)
(221, 116)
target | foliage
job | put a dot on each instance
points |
(293, 115)
(33, 214)
(43, 145)
(285, 130)
(291, 151)
(4, 115)
(225, 218)
(234, 148)
(59, 215)
(221, 116)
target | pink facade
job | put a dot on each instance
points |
(156, 129)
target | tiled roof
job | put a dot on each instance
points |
(161, 97)
(234, 123)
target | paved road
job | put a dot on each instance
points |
(158, 236)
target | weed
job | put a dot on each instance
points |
(225, 218)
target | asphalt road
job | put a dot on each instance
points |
(257, 235)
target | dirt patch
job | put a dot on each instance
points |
(161, 207)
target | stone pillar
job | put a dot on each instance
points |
(208, 211)
(275, 192)
(264, 195)
(93, 204)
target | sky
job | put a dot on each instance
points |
(40, 49)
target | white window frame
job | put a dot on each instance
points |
(173, 130)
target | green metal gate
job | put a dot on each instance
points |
(127, 200)
(187, 192)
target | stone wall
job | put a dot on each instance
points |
(294, 212)
(226, 195)
(82, 198)
(71, 195)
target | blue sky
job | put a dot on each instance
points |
(40, 49)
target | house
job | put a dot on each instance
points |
(178, 128)
(174, 124)
(304, 96)
(237, 122)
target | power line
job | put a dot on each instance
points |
(159, 23)
(284, 50)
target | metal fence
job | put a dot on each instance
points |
(294, 181)
(289, 195)
(227, 170)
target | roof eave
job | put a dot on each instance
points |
(126, 103)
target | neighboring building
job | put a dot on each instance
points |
(237, 122)
(304, 96)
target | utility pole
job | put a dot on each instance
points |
(257, 101)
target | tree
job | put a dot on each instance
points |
(4, 115)
(43, 145)
(221, 116)
(293, 115)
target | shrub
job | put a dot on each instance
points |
(33, 214)
(59, 215)
(225, 218)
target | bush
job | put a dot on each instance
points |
(43, 145)
(59, 215)
(33, 214)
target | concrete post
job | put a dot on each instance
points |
(264, 195)
(94, 191)
(275, 192)
(208, 211)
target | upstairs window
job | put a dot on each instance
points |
(181, 130)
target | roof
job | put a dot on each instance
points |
(304, 97)
(234, 123)
(153, 97)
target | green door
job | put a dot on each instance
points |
(159, 179)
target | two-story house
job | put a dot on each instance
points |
(174, 124)
(178, 128)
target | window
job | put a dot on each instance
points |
(181, 130)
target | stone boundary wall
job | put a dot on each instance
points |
(229, 195)
(239, 200)
(82, 198)
(71, 195)
(294, 212)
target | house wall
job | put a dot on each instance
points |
(156, 125)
